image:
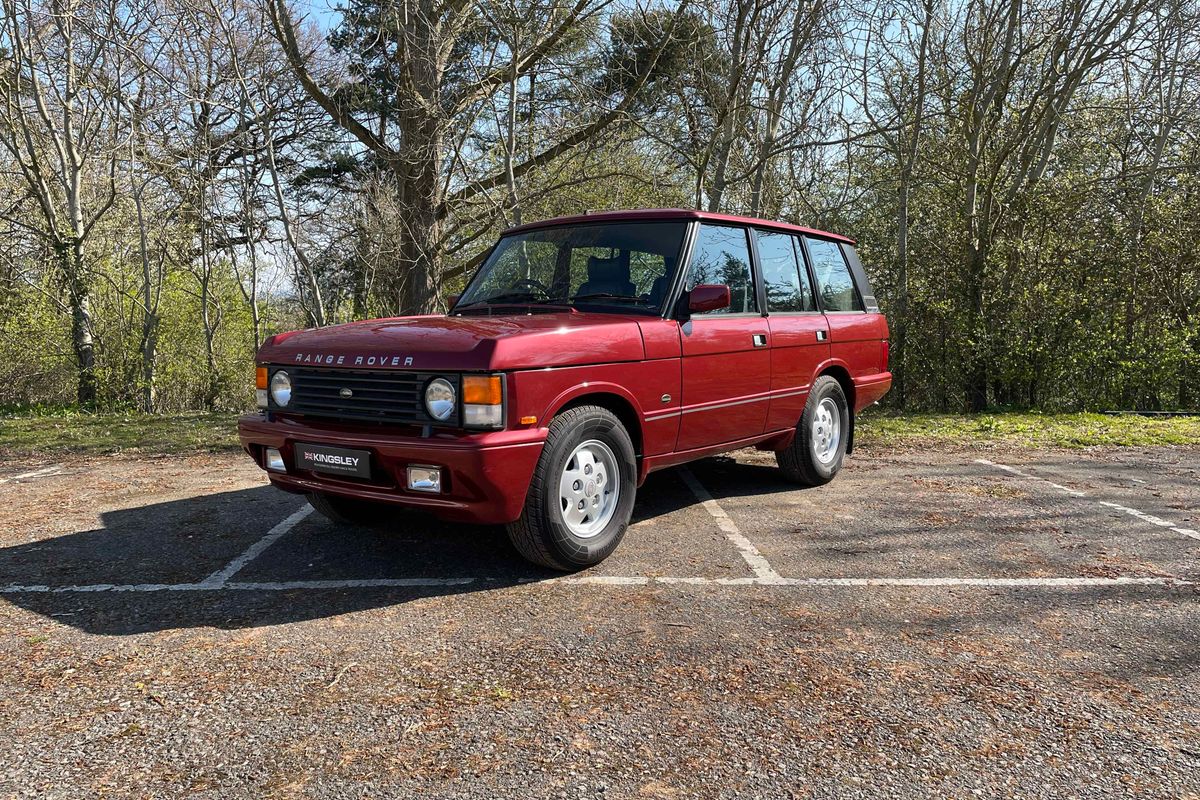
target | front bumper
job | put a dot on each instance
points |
(485, 475)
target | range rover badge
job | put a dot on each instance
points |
(346, 393)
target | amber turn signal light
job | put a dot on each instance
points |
(482, 390)
(260, 378)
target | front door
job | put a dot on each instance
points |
(726, 353)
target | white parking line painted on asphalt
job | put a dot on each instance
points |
(607, 580)
(1153, 520)
(762, 569)
(1133, 512)
(44, 472)
(221, 576)
(1020, 474)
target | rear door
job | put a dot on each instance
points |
(855, 334)
(726, 355)
(799, 331)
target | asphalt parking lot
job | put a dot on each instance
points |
(947, 622)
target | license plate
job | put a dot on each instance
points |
(334, 460)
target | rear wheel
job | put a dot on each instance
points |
(816, 453)
(347, 511)
(582, 493)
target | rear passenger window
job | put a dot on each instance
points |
(833, 276)
(722, 255)
(783, 272)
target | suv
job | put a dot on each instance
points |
(586, 353)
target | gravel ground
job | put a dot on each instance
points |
(516, 685)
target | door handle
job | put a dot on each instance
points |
(760, 340)
(822, 335)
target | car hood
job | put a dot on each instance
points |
(435, 343)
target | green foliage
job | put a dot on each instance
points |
(1084, 298)
(65, 432)
(37, 367)
(1027, 430)
(36, 364)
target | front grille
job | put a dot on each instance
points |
(376, 395)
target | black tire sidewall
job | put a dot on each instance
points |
(566, 546)
(825, 388)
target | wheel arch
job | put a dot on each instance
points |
(841, 374)
(610, 397)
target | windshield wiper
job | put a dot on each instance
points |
(505, 297)
(626, 298)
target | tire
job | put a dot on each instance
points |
(813, 459)
(347, 511)
(543, 534)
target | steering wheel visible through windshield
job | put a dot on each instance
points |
(611, 266)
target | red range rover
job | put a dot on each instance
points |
(586, 353)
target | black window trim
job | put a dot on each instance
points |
(862, 285)
(674, 296)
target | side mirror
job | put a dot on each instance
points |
(708, 297)
(452, 301)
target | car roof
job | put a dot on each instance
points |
(650, 214)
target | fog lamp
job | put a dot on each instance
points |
(424, 479)
(274, 460)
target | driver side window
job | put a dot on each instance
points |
(722, 256)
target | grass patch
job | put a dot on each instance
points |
(68, 433)
(1028, 429)
(102, 434)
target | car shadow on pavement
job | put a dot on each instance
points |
(183, 542)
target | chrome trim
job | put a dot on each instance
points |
(715, 406)
(727, 404)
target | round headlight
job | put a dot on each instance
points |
(281, 388)
(439, 399)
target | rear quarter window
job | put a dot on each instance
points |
(834, 283)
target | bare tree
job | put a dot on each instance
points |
(62, 124)
(1024, 65)
(895, 78)
(422, 45)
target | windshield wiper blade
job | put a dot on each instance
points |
(607, 296)
(506, 297)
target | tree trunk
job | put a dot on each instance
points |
(149, 316)
(900, 326)
(978, 357)
(418, 166)
(71, 256)
(908, 165)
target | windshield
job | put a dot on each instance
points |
(612, 266)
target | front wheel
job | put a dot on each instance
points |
(581, 496)
(819, 446)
